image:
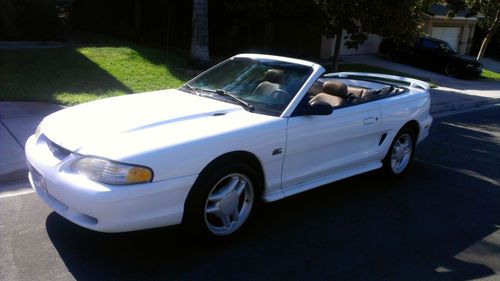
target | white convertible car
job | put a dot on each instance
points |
(254, 127)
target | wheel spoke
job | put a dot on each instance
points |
(401, 143)
(236, 215)
(216, 197)
(405, 145)
(214, 210)
(240, 188)
(226, 220)
(231, 185)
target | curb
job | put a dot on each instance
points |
(456, 106)
(19, 174)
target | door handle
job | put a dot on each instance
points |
(370, 120)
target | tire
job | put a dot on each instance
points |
(391, 55)
(452, 70)
(400, 155)
(222, 201)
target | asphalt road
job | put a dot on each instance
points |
(441, 222)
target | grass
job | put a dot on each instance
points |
(375, 69)
(75, 75)
(71, 76)
(491, 75)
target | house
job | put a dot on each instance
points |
(457, 31)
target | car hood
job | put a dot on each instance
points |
(110, 127)
(467, 59)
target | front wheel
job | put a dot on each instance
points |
(222, 201)
(452, 70)
(400, 154)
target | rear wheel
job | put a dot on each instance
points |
(399, 157)
(222, 201)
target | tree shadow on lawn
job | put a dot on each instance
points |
(175, 61)
(45, 74)
(364, 228)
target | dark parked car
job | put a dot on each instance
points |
(432, 54)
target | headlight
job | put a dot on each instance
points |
(110, 172)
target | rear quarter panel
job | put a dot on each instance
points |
(398, 110)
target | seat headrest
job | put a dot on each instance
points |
(274, 76)
(335, 88)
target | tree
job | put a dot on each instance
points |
(395, 19)
(199, 36)
(28, 20)
(490, 21)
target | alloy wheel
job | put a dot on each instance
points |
(401, 153)
(229, 204)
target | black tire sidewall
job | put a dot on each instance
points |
(194, 208)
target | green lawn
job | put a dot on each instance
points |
(491, 75)
(75, 75)
(376, 69)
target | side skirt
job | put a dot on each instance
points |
(280, 194)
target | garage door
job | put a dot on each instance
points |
(448, 34)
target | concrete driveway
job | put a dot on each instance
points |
(18, 121)
(451, 93)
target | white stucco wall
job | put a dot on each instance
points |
(371, 45)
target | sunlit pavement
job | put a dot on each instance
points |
(451, 93)
(441, 222)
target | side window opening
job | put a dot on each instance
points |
(345, 92)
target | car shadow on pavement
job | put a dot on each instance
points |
(421, 227)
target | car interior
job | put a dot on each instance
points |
(271, 88)
(337, 93)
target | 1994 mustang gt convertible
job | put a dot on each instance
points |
(254, 127)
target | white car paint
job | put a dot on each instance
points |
(177, 135)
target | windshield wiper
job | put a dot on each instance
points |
(223, 93)
(220, 92)
(243, 103)
(192, 89)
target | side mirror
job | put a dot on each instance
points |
(318, 108)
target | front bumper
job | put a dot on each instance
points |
(102, 207)
(474, 72)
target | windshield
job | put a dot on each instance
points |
(267, 86)
(447, 48)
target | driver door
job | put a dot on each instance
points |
(320, 146)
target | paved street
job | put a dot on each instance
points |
(441, 222)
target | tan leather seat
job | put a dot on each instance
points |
(271, 83)
(334, 93)
(356, 92)
(368, 95)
